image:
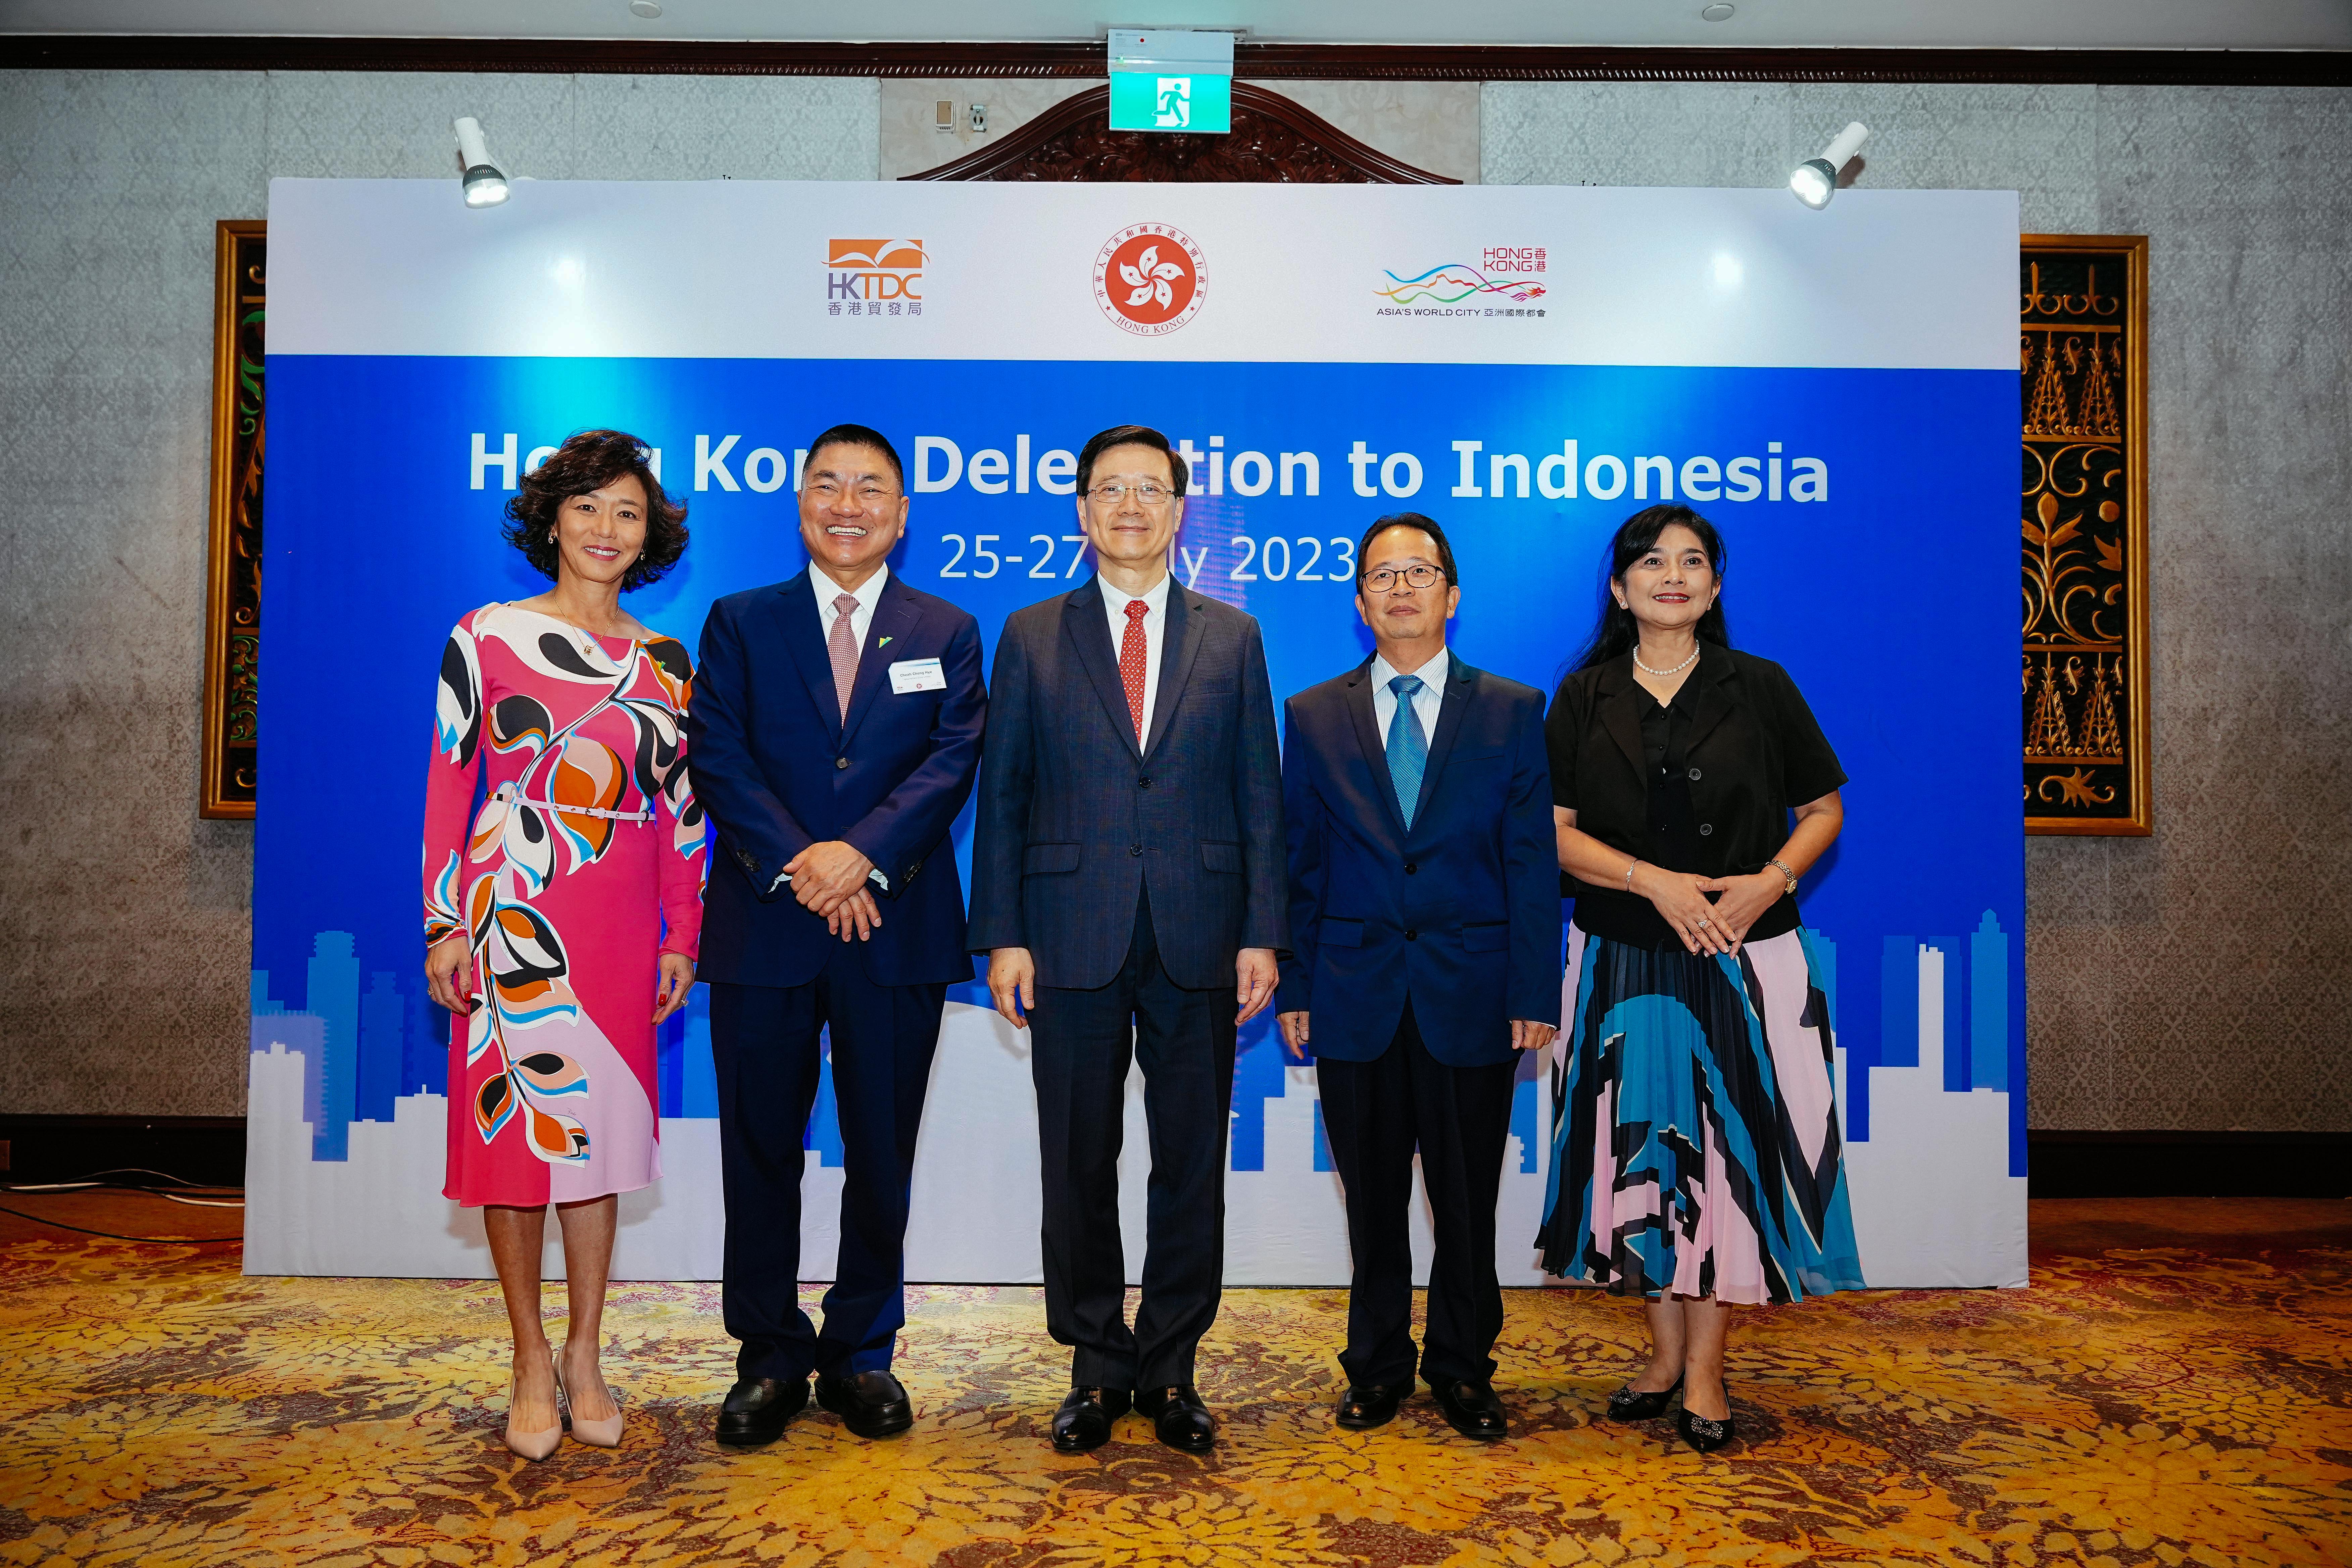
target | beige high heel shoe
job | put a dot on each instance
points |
(605, 1434)
(534, 1445)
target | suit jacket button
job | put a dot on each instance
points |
(1411, 868)
(1135, 849)
(1412, 936)
(1694, 773)
(1143, 783)
(1705, 828)
(841, 763)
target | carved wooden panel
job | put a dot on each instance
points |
(232, 600)
(1274, 140)
(2082, 350)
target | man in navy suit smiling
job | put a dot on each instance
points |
(1126, 886)
(1425, 954)
(833, 734)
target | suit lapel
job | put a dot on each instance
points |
(1376, 751)
(1461, 689)
(805, 637)
(1089, 634)
(1621, 704)
(893, 617)
(1179, 645)
(1709, 702)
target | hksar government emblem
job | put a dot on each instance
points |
(1149, 279)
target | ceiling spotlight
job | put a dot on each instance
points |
(1815, 179)
(485, 182)
(1716, 13)
(649, 9)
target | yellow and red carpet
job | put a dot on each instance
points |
(2175, 1387)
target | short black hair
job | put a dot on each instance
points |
(1427, 525)
(861, 436)
(1127, 435)
(589, 460)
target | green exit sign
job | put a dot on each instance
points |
(1171, 81)
(1156, 102)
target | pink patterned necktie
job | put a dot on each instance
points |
(842, 647)
(1131, 662)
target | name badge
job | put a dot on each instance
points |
(917, 675)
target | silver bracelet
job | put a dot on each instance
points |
(1629, 875)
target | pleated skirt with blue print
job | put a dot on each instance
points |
(1694, 1145)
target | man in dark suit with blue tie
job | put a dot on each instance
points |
(1128, 886)
(1425, 954)
(833, 734)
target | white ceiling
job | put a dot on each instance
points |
(1981, 24)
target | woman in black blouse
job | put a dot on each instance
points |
(1696, 1157)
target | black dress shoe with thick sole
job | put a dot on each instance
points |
(1625, 1405)
(1473, 1409)
(1179, 1419)
(756, 1408)
(1086, 1418)
(1368, 1404)
(870, 1404)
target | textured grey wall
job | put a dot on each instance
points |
(2194, 979)
(122, 987)
(2189, 980)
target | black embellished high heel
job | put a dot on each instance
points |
(1627, 1406)
(1701, 1434)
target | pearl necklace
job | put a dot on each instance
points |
(1676, 670)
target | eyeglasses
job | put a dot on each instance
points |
(1384, 579)
(1116, 491)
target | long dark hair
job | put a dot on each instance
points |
(1617, 633)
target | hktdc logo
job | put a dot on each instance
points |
(1149, 279)
(874, 276)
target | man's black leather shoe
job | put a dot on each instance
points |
(1472, 1409)
(1179, 1419)
(1368, 1404)
(756, 1409)
(1084, 1419)
(870, 1404)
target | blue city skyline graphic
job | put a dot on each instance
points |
(364, 1050)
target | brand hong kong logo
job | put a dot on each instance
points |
(1507, 282)
(874, 276)
(1149, 279)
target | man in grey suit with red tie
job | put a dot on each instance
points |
(1425, 938)
(1128, 887)
(833, 734)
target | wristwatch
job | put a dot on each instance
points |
(1787, 876)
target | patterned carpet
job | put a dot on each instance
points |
(2160, 1396)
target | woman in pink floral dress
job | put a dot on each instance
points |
(561, 914)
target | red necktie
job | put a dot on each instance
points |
(1131, 662)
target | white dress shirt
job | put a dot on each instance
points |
(869, 594)
(1426, 701)
(1155, 627)
(861, 618)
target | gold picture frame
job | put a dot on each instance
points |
(2083, 355)
(233, 578)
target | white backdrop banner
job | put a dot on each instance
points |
(1836, 390)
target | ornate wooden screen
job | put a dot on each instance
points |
(233, 598)
(1273, 138)
(2083, 348)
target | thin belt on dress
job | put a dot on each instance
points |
(589, 811)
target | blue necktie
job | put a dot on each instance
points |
(1408, 750)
